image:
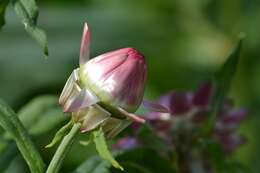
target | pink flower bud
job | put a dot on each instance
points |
(116, 77)
(106, 90)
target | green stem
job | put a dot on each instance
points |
(63, 149)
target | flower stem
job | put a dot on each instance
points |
(63, 149)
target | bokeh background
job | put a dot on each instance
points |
(184, 42)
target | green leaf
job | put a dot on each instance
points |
(60, 134)
(101, 146)
(31, 8)
(27, 11)
(222, 82)
(147, 134)
(7, 156)
(225, 74)
(135, 167)
(10, 122)
(93, 164)
(36, 108)
(3, 5)
(48, 121)
(216, 154)
(41, 115)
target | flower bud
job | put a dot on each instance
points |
(105, 90)
(117, 78)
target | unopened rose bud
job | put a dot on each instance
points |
(117, 77)
(106, 90)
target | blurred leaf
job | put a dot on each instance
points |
(101, 146)
(143, 160)
(135, 167)
(221, 163)
(147, 134)
(28, 13)
(60, 134)
(224, 76)
(10, 122)
(7, 156)
(34, 110)
(31, 8)
(93, 164)
(3, 5)
(222, 81)
(216, 154)
(48, 121)
(17, 165)
(236, 167)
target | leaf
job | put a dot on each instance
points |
(3, 5)
(224, 76)
(32, 9)
(36, 108)
(27, 11)
(93, 164)
(147, 134)
(102, 148)
(60, 134)
(10, 122)
(135, 167)
(222, 82)
(216, 154)
(7, 156)
(41, 115)
(52, 118)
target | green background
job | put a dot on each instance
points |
(184, 42)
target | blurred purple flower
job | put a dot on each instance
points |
(235, 116)
(177, 112)
(125, 143)
(177, 102)
(202, 95)
(230, 141)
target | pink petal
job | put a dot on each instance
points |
(131, 116)
(85, 42)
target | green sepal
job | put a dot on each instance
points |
(60, 134)
(102, 148)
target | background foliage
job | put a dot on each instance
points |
(184, 42)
